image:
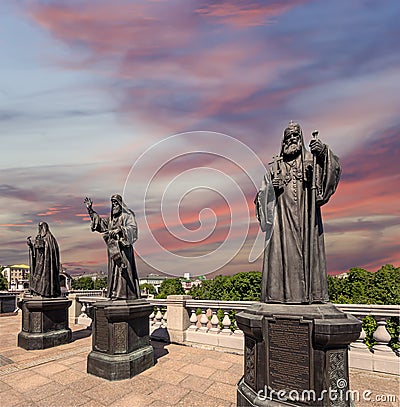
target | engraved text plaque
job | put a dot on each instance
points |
(289, 354)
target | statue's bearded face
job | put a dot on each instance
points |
(116, 207)
(292, 144)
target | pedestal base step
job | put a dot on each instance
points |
(120, 367)
(43, 340)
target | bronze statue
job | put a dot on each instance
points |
(45, 263)
(288, 209)
(119, 232)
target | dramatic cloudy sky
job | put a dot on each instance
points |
(92, 92)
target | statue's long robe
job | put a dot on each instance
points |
(285, 216)
(123, 281)
(46, 267)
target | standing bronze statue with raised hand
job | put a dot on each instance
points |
(288, 209)
(119, 232)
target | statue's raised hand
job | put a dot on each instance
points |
(88, 203)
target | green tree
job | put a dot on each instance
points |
(245, 286)
(386, 284)
(83, 283)
(3, 282)
(100, 283)
(148, 288)
(363, 287)
(170, 286)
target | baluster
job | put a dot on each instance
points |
(214, 323)
(237, 331)
(382, 336)
(151, 317)
(203, 321)
(165, 319)
(83, 309)
(158, 317)
(359, 343)
(193, 320)
(226, 322)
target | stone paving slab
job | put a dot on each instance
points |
(182, 376)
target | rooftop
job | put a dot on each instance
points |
(182, 376)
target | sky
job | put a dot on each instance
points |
(179, 106)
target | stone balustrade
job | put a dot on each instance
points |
(82, 300)
(380, 358)
(212, 324)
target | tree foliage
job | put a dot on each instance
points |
(83, 283)
(363, 287)
(170, 286)
(3, 282)
(245, 286)
(148, 288)
(100, 283)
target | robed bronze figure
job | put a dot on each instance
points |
(45, 263)
(119, 233)
(288, 209)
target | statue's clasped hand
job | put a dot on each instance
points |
(277, 182)
(316, 146)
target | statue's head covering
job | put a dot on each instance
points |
(118, 198)
(43, 228)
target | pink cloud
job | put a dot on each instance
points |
(246, 14)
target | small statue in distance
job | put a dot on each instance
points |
(45, 263)
(119, 233)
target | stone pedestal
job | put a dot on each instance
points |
(296, 355)
(44, 322)
(121, 341)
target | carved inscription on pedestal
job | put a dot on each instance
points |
(120, 339)
(338, 378)
(288, 355)
(101, 330)
(250, 362)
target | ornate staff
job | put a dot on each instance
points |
(312, 217)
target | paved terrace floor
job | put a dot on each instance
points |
(182, 376)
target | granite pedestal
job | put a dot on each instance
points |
(44, 322)
(121, 341)
(296, 355)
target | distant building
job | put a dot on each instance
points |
(17, 276)
(94, 275)
(153, 279)
(189, 282)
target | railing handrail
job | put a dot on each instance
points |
(219, 304)
(378, 310)
(157, 301)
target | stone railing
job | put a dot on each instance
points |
(80, 309)
(212, 324)
(380, 357)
